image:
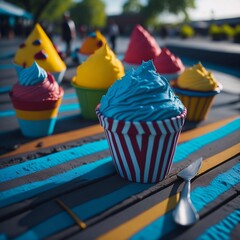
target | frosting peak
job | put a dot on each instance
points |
(30, 76)
(197, 78)
(93, 41)
(166, 62)
(142, 46)
(38, 47)
(141, 95)
(100, 70)
(35, 89)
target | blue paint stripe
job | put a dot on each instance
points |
(33, 166)
(83, 173)
(5, 89)
(223, 229)
(69, 107)
(69, 95)
(6, 56)
(204, 195)
(165, 224)
(3, 237)
(7, 113)
(83, 211)
(6, 66)
(185, 149)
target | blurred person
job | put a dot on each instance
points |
(4, 27)
(19, 30)
(68, 31)
(48, 28)
(113, 32)
(82, 30)
(163, 32)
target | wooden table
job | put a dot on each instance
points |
(75, 193)
(65, 186)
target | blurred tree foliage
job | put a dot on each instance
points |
(154, 8)
(49, 10)
(90, 13)
(132, 6)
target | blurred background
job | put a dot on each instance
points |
(216, 19)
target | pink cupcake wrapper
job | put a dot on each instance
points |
(142, 151)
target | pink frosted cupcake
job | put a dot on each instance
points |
(142, 119)
(168, 65)
(142, 47)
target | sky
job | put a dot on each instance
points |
(205, 9)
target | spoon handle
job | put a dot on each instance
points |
(185, 194)
(185, 213)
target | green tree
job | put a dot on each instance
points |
(55, 9)
(90, 13)
(132, 6)
(49, 10)
(154, 8)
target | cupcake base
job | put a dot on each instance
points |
(38, 123)
(88, 100)
(198, 103)
(198, 107)
(37, 128)
(142, 151)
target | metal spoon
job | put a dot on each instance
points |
(185, 213)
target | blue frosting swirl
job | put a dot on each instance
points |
(30, 76)
(141, 95)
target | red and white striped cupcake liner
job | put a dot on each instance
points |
(142, 151)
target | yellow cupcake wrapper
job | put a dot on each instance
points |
(37, 115)
(197, 107)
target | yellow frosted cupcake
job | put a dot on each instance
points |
(196, 88)
(94, 77)
(38, 47)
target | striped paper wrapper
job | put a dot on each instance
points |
(142, 151)
(198, 107)
(198, 103)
